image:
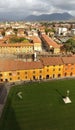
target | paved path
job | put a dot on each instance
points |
(7, 86)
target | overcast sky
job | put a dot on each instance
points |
(27, 7)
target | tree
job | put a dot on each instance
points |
(49, 30)
(46, 31)
(71, 42)
(69, 46)
(18, 40)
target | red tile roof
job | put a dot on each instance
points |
(15, 65)
(15, 44)
(51, 61)
(68, 60)
(49, 41)
(36, 39)
(12, 65)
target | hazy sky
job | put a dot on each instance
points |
(27, 7)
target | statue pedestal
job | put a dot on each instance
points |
(67, 100)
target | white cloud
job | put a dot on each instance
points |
(37, 6)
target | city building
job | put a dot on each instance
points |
(50, 45)
(37, 43)
(68, 66)
(46, 68)
(62, 31)
(53, 67)
(7, 48)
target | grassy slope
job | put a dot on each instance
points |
(41, 108)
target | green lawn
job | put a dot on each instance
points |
(41, 108)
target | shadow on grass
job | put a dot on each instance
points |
(8, 120)
(62, 96)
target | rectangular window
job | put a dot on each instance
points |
(59, 69)
(18, 73)
(0, 74)
(18, 77)
(10, 78)
(40, 71)
(10, 74)
(25, 72)
(34, 72)
(47, 70)
(25, 77)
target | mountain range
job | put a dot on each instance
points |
(44, 17)
(50, 17)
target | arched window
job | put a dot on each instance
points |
(34, 77)
(53, 75)
(6, 80)
(40, 77)
(47, 76)
(71, 74)
(65, 74)
(59, 75)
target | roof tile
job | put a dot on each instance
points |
(50, 41)
(12, 65)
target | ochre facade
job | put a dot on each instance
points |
(55, 71)
(17, 48)
(46, 68)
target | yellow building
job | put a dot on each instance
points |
(53, 67)
(46, 68)
(14, 70)
(16, 48)
(37, 43)
(68, 66)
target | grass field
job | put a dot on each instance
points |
(41, 108)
